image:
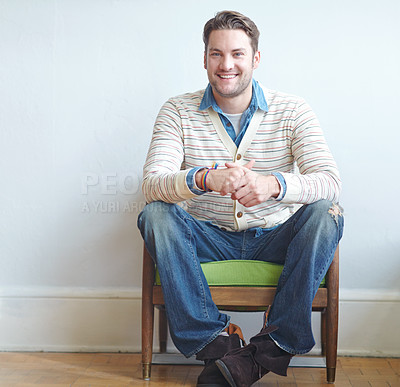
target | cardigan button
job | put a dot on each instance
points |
(238, 157)
(239, 214)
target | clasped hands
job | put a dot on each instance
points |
(249, 188)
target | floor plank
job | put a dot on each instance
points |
(111, 369)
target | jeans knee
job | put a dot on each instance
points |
(155, 215)
(324, 207)
(321, 207)
(160, 225)
(324, 211)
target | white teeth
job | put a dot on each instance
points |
(227, 76)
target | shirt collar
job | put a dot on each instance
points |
(258, 100)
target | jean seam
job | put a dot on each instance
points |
(243, 248)
(282, 277)
(328, 263)
(201, 286)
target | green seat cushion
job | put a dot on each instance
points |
(240, 273)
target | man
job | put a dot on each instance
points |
(247, 207)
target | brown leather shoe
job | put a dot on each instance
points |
(211, 375)
(243, 367)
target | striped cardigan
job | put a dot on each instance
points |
(288, 139)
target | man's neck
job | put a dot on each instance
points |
(234, 105)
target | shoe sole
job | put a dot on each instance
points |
(225, 372)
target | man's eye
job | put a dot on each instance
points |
(239, 53)
(215, 54)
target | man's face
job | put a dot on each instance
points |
(230, 62)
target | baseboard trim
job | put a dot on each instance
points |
(368, 295)
(345, 295)
(71, 293)
(70, 349)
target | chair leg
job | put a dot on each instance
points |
(147, 313)
(163, 330)
(332, 314)
(323, 332)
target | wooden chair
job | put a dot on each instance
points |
(247, 299)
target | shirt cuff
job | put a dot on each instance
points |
(282, 183)
(191, 181)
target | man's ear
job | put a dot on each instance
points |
(205, 60)
(257, 58)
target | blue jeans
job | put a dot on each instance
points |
(305, 244)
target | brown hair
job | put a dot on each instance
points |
(231, 20)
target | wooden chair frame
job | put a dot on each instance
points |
(326, 301)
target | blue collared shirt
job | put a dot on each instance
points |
(258, 101)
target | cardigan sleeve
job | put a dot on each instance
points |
(319, 176)
(163, 176)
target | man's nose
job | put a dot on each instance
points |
(226, 63)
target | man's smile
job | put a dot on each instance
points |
(227, 76)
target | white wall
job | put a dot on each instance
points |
(80, 85)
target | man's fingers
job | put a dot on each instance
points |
(226, 180)
(248, 165)
(240, 193)
(231, 165)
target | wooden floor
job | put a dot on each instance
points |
(84, 369)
